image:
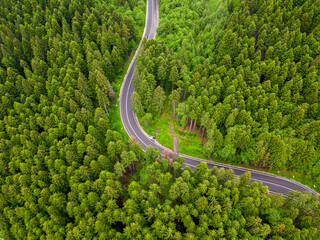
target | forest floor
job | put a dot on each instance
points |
(159, 126)
(191, 143)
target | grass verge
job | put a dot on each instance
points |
(114, 111)
(299, 177)
(161, 123)
(191, 144)
(115, 121)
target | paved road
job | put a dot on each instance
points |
(132, 127)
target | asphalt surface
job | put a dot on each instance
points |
(275, 183)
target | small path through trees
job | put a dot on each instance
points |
(175, 140)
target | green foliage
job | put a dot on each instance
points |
(66, 175)
(245, 74)
(207, 203)
(58, 62)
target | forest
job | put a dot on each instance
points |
(244, 74)
(66, 174)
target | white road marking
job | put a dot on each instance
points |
(257, 180)
(152, 34)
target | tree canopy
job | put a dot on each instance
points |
(245, 73)
(65, 174)
(59, 60)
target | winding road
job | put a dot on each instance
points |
(275, 183)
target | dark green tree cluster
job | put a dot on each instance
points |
(150, 80)
(246, 74)
(184, 204)
(59, 60)
(64, 174)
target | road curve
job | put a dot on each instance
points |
(275, 183)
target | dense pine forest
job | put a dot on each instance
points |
(59, 60)
(66, 174)
(245, 74)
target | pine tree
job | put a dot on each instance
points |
(174, 98)
(159, 98)
(136, 104)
